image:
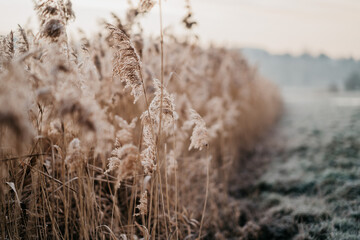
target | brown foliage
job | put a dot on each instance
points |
(80, 165)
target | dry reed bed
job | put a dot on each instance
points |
(93, 146)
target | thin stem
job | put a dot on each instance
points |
(207, 191)
(162, 70)
(160, 123)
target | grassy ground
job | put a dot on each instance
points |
(303, 182)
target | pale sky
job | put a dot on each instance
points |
(279, 26)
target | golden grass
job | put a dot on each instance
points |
(93, 146)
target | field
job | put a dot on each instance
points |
(122, 136)
(308, 184)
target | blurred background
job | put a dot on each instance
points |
(296, 43)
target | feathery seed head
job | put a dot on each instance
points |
(143, 206)
(169, 114)
(200, 135)
(146, 5)
(126, 62)
(73, 158)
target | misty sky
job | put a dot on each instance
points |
(279, 26)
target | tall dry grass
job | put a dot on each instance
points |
(94, 146)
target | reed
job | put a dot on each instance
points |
(94, 146)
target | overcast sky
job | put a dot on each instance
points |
(279, 26)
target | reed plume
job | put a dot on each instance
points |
(146, 5)
(200, 135)
(126, 62)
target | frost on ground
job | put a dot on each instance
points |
(308, 185)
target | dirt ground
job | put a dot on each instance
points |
(303, 181)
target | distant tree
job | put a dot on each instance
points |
(333, 88)
(352, 83)
(323, 56)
